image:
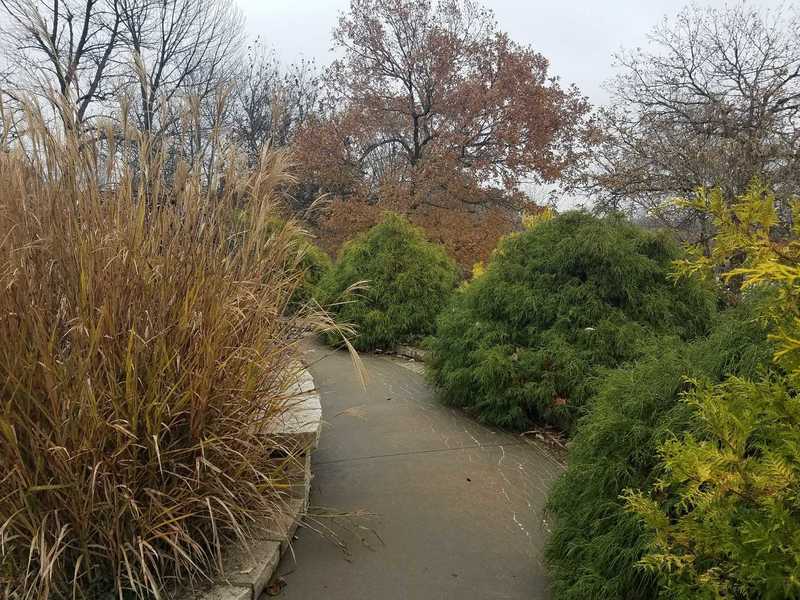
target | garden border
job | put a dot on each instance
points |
(411, 353)
(249, 569)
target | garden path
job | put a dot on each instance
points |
(438, 506)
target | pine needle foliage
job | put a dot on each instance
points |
(389, 283)
(523, 343)
(313, 264)
(732, 526)
(144, 355)
(596, 543)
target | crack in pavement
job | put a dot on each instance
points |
(416, 452)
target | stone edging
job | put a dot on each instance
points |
(412, 352)
(248, 571)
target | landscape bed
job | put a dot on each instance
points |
(249, 568)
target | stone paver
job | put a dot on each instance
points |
(458, 507)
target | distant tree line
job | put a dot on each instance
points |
(176, 70)
(429, 109)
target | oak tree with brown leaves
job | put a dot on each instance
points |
(433, 101)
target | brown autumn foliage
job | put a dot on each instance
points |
(478, 233)
(433, 110)
(468, 230)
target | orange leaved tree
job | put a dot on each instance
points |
(426, 94)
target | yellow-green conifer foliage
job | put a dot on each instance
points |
(732, 529)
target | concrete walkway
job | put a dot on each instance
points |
(457, 506)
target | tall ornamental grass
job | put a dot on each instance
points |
(144, 354)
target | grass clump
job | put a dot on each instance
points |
(389, 283)
(309, 262)
(523, 343)
(144, 354)
(596, 543)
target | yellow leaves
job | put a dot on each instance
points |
(794, 206)
(757, 208)
(723, 516)
(751, 249)
(787, 349)
(646, 508)
(769, 269)
(531, 220)
(731, 490)
(694, 265)
(705, 200)
(773, 476)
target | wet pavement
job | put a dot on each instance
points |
(411, 499)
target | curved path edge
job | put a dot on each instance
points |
(248, 570)
(416, 499)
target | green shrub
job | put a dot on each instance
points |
(595, 543)
(731, 528)
(723, 519)
(524, 342)
(314, 263)
(408, 281)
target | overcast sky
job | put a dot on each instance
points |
(578, 36)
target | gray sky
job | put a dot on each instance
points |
(578, 36)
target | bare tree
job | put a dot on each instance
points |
(271, 102)
(159, 53)
(181, 48)
(714, 101)
(64, 46)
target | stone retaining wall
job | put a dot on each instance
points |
(249, 570)
(412, 352)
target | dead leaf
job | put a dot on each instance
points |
(275, 587)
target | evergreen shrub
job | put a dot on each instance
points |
(524, 343)
(389, 284)
(596, 543)
(723, 518)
